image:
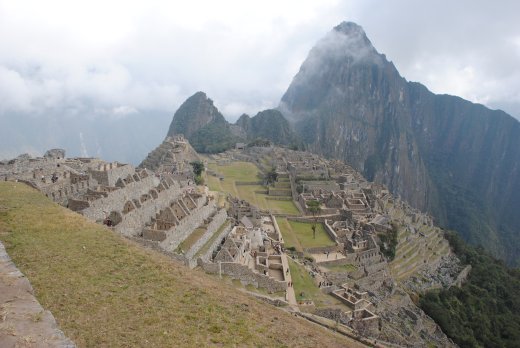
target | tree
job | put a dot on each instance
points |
(271, 176)
(198, 167)
(315, 208)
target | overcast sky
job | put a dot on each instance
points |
(70, 63)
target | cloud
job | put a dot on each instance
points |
(88, 63)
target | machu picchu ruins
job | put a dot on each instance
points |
(315, 238)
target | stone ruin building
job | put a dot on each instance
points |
(172, 156)
(158, 205)
(252, 251)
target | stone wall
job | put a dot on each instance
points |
(109, 177)
(325, 249)
(463, 276)
(245, 275)
(20, 307)
(154, 235)
(206, 257)
(116, 199)
(77, 205)
(335, 314)
(338, 278)
(133, 222)
(336, 262)
(330, 230)
(286, 192)
(218, 220)
(178, 233)
(63, 189)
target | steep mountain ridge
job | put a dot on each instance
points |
(269, 124)
(208, 131)
(202, 124)
(456, 159)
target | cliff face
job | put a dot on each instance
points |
(455, 159)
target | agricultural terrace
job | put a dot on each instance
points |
(299, 235)
(255, 193)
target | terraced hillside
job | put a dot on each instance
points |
(418, 245)
(106, 291)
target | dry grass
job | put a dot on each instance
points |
(108, 292)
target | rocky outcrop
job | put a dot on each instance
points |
(458, 160)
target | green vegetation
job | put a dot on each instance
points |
(269, 125)
(106, 291)
(247, 172)
(213, 183)
(389, 242)
(289, 237)
(213, 138)
(238, 171)
(485, 311)
(307, 237)
(191, 240)
(205, 247)
(198, 168)
(305, 288)
(315, 208)
(259, 142)
(271, 176)
(300, 235)
(282, 207)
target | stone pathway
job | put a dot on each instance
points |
(23, 321)
(291, 296)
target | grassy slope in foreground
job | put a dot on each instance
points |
(106, 291)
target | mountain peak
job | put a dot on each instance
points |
(196, 112)
(199, 97)
(349, 28)
(354, 35)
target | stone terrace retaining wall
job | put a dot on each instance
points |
(207, 255)
(177, 234)
(322, 250)
(134, 221)
(212, 228)
(110, 176)
(246, 275)
(20, 308)
(116, 199)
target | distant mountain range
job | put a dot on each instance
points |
(209, 132)
(458, 160)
